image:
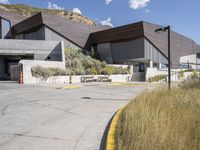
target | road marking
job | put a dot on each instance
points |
(127, 84)
(69, 87)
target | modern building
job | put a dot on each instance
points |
(44, 36)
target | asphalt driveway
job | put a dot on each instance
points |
(45, 118)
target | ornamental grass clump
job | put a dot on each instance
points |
(159, 120)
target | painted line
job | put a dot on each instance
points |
(127, 84)
(110, 139)
(69, 87)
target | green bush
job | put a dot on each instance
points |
(157, 78)
(120, 70)
(81, 63)
(91, 71)
(193, 82)
(181, 74)
(107, 71)
(47, 72)
(195, 75)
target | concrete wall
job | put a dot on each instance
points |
(29, 79)
(40, 49)
(151, 72)
(189, 59)
(75, 79)
(28, 64)
(138, 76)
(50, 35)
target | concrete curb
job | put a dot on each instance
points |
(110, 139)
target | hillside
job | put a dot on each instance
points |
(26, 10)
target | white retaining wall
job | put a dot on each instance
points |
(151, 72)
(29, 79)
(75, 79)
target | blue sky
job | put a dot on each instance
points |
(182, 15)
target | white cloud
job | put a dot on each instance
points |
(4, 2)
(77, 10)
(136, 4)
(54, 6)
(107, 22)
(108, 1)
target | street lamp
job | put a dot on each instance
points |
(163, 29)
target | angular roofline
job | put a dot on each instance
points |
(12, 17)
(42, 18)
(171, 31)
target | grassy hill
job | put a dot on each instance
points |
(27, 10)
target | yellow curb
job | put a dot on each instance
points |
(69, 87)
(126, 84)
(110, 139)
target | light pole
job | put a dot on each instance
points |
(169, 51)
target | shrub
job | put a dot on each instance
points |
(91, 71)
(195, 75)
(193, 82)
(107, 71)
(181, 74)
(47, 72)
(120, 70)
(84, 64)
(157, 78)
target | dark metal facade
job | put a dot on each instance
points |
(180, 45)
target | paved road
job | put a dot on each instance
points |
(45, 118)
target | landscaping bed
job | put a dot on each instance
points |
(160, 119)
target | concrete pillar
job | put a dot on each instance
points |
(151, 64)
(62, 51)
(160, 66)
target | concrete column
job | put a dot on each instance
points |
(160, 66)
(151, 64)
(62, 51)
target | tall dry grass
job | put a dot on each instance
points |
(159, 120)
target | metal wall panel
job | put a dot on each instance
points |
(50, 35)
(151, 53)
(119, 34)
(180, 45)
(36, 35)
(124, 51)
(104, 50)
